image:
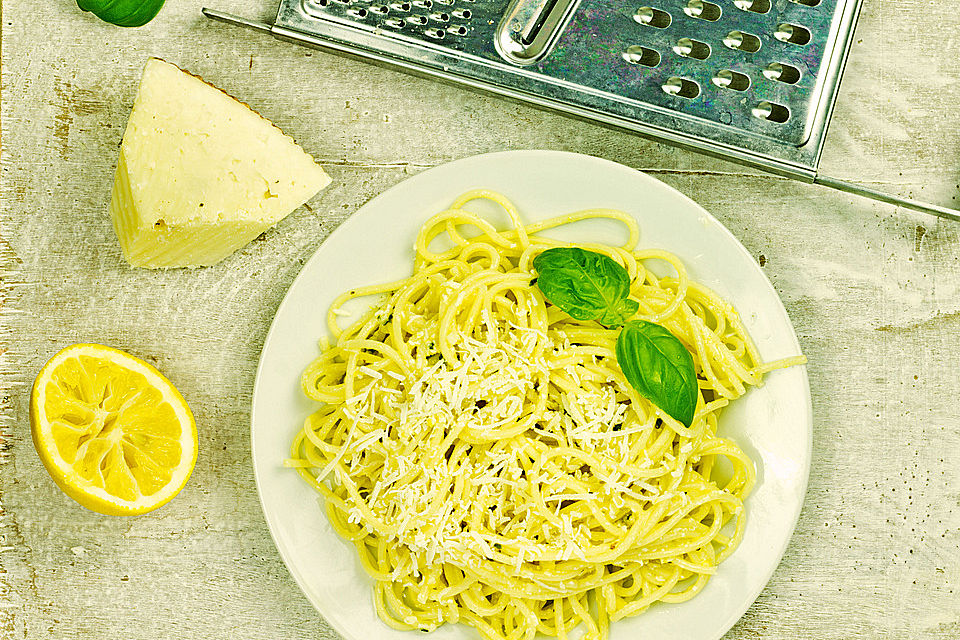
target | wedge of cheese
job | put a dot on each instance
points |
(200, 174)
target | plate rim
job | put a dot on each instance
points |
(354, 219)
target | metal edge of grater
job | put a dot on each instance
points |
(753, 81)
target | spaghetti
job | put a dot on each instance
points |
(487, 458)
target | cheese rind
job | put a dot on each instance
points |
(200, 174)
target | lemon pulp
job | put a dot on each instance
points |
(112, 431)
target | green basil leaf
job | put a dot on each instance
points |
(123, 13)
(585, 284)
(659, 367)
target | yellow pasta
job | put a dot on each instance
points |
(487, 458)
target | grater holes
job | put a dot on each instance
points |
(434, 33)
(444, 2)
(754, 6)
(401, 6)
(780, 72)
(423, 4)
(727, 79)
(681, 87)
(457, 30)
(742, 41)
(462, 14)
(703, 10)
(380, 10)
(439, 16)
(320, 3)
(771, 111)
(358, 13)
(692, 49)
(792, 33)
(419, 20)
(653, 17)
(396, 23)
(642, 56)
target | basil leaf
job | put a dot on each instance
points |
(123, 13)
(585, 284)
(659, 367)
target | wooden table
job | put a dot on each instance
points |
(873, 291)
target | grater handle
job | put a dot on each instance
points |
(882, 196)
(229, 18)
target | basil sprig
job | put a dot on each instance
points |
(592, 286)
(587, 285)
(659, 367)
(123, 13)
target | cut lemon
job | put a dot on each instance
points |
(115, 434)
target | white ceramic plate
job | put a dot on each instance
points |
(772, 423)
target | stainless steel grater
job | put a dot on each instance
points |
(748, 80)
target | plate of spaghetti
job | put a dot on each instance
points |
(530, 395)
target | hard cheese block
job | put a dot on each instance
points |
(200, 174)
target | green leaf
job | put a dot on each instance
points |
(123, 13)
(659, 367)
(585, 284)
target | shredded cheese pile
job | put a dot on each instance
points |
(484, 453)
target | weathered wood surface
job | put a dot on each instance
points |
(874, 293)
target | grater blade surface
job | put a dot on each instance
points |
(752, 79)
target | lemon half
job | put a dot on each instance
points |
(113, 433)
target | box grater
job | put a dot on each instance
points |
(748, 80)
